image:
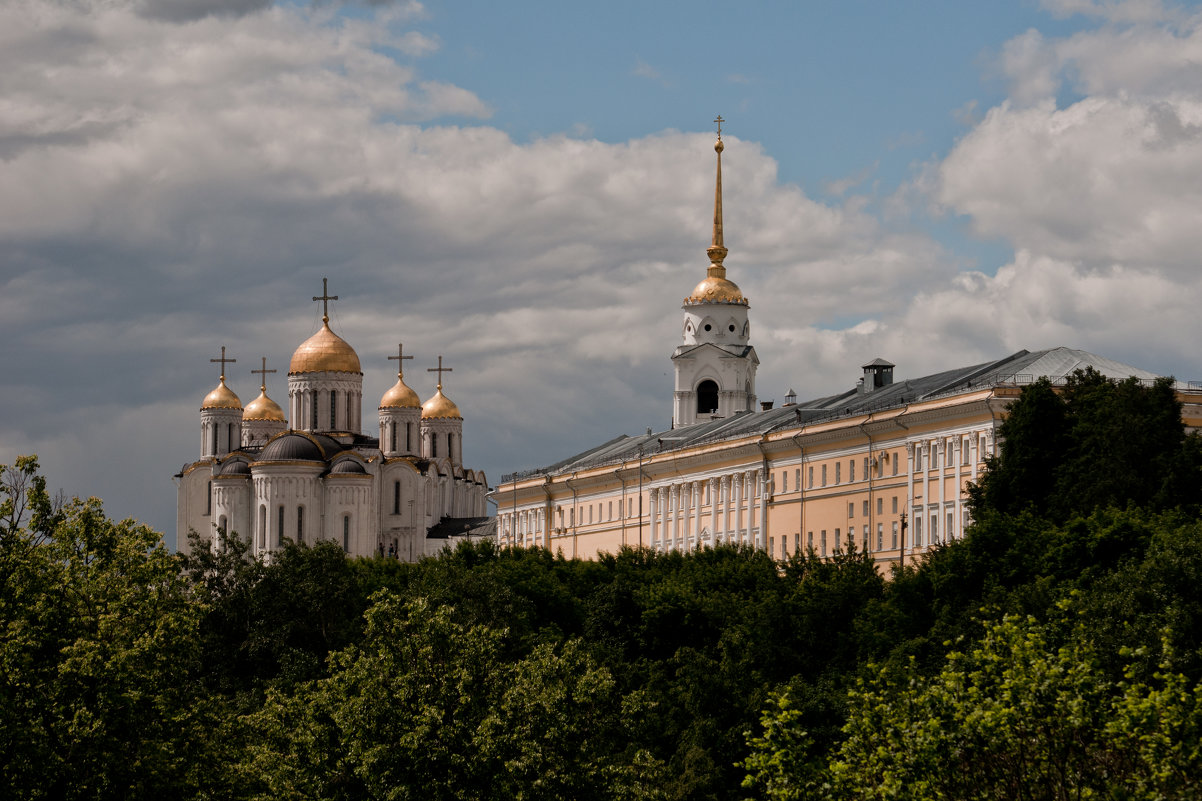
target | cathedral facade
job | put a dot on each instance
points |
(404, 493)
(885, 464)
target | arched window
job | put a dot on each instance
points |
(262, 527)
(408, 437)
(300, 524)
(346, 534)
(313, 410)
(433, 446)
(333, 408)
(214, 439)
(279, 526)
(451, 446)
(209, 499)
(392, 436)
(707, 397)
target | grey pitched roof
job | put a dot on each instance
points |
(1023, 367)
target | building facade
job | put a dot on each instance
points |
(885, 464)
(404, 493)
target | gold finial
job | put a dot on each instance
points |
(223, 361)
(263, 374)
(400, 361)
(717, 249)
(440, 370)
(325, 299)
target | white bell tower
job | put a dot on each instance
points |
(714, 364)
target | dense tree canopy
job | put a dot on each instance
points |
(1054, 652)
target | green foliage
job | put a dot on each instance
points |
(97, 653)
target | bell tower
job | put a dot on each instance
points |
(714, 364)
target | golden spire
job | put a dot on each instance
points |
(716, 288)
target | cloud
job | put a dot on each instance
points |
(644, 70)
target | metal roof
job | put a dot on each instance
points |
(1023, 367)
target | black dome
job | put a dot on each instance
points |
(292, 447)
(234, 467)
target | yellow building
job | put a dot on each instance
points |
(885, 463)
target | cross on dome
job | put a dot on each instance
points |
(325, 299)
(440, 370)
(224, 361)
(400, 360)
(263, 372)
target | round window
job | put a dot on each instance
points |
(732, 329)
(708, 326)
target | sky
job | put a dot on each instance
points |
(526, 190)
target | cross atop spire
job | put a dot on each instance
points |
(719, 120)
(325, 299)
(717, 249)
(263, 372)
(440, 370)
(224, 361)
(400, 361)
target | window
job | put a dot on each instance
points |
(934, 457)
(784, 481)
(392, 436)
(572, 517)
(433, 446)
(934, 529)
(894, 533)
(824, 475)
(300, 524)
(771, 545)
(396, 497)
(590, 513)
(408, 437)
(214, 439)
(797, 479)
(810, 478)
(611, 511)
(822, 539)
(851, 471)
(851, 508)
(797, 542)
(209, 499)
(880, 506)
(951, 524)
(263, 527)
(279, 526)
(313, 410)
(917, 532)
(917, 459)
(630, 507)
(838, 472)
(965, 520)
(333, 408)
(707, 397)
(880, 536)
(865, 468)
(894, 504)
(896, 458)
(964, 453)
(864, 541)
(346, 534)
(451, 446)
(865, 508)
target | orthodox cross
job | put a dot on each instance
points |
(719, 120)
(325, 299)
(223, 361)
(263, 373)
(440, 370)
(400, 360)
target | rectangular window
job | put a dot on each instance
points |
(864, 541)
(611, 511)
(279, 526)
(880, 506)
(934, 529)
(965, 520)
(333, 408)
(896, 457)
(880, 536)
(209, 500)
(894, 504)
(865, 508)
(964, 452)
(851, 509)
(810, 477)
(590, 513)
(346, 534)
(934, 457)
(822, 539)
(300, 524)
(797, 479)
(838, 472)
(951, 525)
(917, 459)
(797, 542)
(851, 471)
(894, 533)
(917, 532)
(824, 475)
(784, 481)
(572, 517)
(396, 497)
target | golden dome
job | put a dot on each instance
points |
(400, 397)
(221, 398)
(440, 407)
(324, 352)
(263, 408)
(716, 290)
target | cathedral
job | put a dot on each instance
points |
(885, 464)
(403, 494)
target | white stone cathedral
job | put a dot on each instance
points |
(403, 495)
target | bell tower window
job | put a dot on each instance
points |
(707, 397)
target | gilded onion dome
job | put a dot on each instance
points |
(716, 287)
(400, 396)
(222, 397)
(263, 408)
(324, 352)
(440, 407)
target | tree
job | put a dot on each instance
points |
(98, 644)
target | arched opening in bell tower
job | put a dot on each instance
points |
(707, 397)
